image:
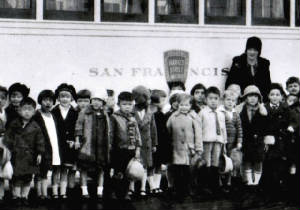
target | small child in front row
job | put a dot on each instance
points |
(214, 137)
(185, 131)
(51, 160)
(25, 140)
(125, 143)
(233, 128)
(93, 137)
(255, 121)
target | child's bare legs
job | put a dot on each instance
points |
(157, 178)
(170, 177)
(1, 189)
(248, 173)
(71, 179)
(16, 191)
(83, 180)
(143, 184)
(55, 180)
(100, 182)
(63, 181)
(257, 169)
(150, 179)
(25, 190)
(38, 186)
(131, 187)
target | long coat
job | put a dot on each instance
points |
(94, 131)
(47, 156)
(254, 132)
(240, 73)
(148, 134)
(25, 144)
(185, 131)
(66, 132)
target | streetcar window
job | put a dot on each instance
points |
(231, 12)
(69, 9)
(270, 12)
(176, 11)
(124, 10)
(18, 9)
(297, 12)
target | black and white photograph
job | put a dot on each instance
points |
(149, 104)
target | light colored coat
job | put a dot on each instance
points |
(185, 131)
(208, 126)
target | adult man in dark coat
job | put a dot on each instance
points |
(251, 69)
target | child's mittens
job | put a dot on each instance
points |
(291, 129)
(39, 159)
(153, 149)
(262, 109)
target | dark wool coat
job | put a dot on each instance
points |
(163, 154)
(94, 131)
(253, 135)
(25, 145)
(11, 114)
(47, 156)
(66, 132)
(148, 134)
(280, 120)
(240, 73)
(294, 148)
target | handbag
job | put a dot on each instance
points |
(7, 171)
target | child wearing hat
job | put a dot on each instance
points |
(185, 131)
(93, 140)
(51, 160)
(83, 99)
(125, 143)
(25, 141)
(66, 117)
(16, 93)
(233, 129)
(275, 162)
(148, 131)
(255, 121)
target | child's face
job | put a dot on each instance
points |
(47, 104)
(275, 96)
(235, 88)
(97, 103)
(199, 95)
(83, 102)
(212, 100)
(252, 99)
(65, 98)
(3, 99)
(16, 98)
(184, 106)
(229, 102)
(293, 88)
(126, 106)
(174, 105)
(252, 53)
(291, 99)
(162, 102)
(27, 111)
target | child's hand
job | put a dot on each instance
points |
(154, 149)
(192, 152)
(111, 172)
(71, 143)
(291, 129)
(38, 159)
(239, 146)
(77, 145)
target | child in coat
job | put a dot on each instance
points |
(293, 86)
(83, 99)
(3, 149)
(25, 141)
(255, 121)
(233, 129)
(198, 93)
(275, 162)
(148, 131)
(93, 135)
(16, 93)
(66, 117)
(125, 143)
(185, 132)
(51, 160)
(214, 136)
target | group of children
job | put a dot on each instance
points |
(187, 143)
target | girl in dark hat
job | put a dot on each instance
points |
(251, 69)
(51, 160)
(16, 93)
(66, 117)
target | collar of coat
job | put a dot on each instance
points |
(89, 110)
(122, 114)
(191, 114)
(18, 124)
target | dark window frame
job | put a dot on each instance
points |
(297, 21)
(122, 17)
(19, 13)
(176, 18)
(225, 20)
(259, 21)
(69, 15)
